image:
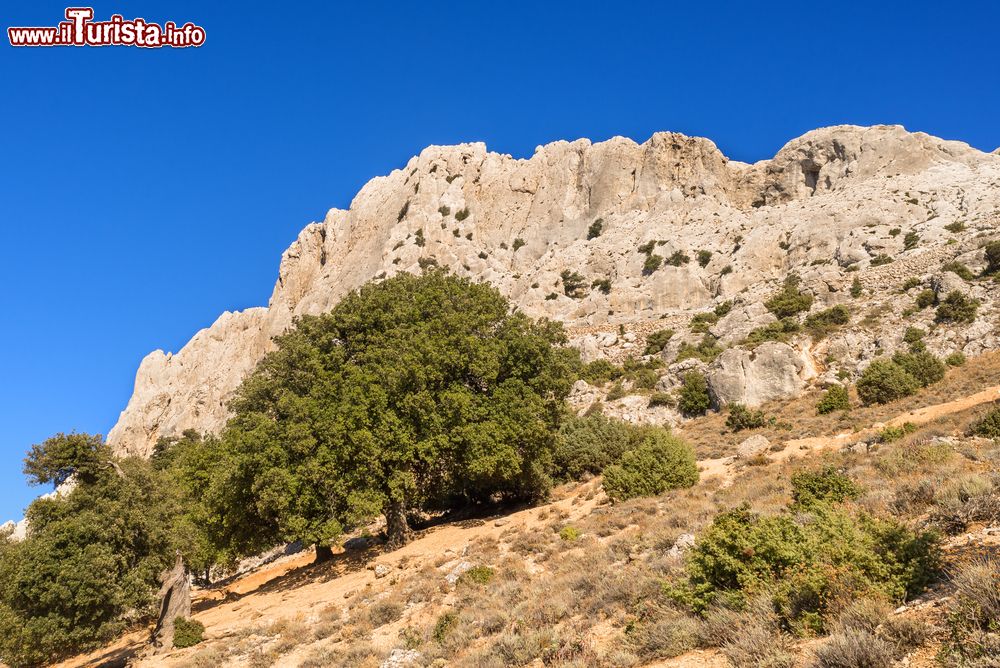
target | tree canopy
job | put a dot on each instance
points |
(415, 393)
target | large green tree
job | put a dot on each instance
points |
(89, 564)
(414, 393)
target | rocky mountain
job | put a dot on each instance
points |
(618, 240)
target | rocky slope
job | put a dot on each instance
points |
(826, 206)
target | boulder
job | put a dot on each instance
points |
(769, 372)
(739, 322)
(752, 447)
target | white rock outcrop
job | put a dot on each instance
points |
(827, 200)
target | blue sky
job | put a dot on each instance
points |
(143, 192)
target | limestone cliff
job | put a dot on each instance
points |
(825, 206)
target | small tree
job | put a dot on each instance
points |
(957, 307)
(660, 462)
(657, 341)
(836, 398)
(922, 365)
(884, 381)
(790, 301)
(595, 229)
(415, 393)
(694, 399)
(992, 252)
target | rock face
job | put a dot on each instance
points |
(826, 201)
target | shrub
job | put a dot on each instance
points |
(923, 366)
(988, 426)
(518, 243)
(444, 210)
(660, 462)
(402, 211)
(782, 330)
(992, 251)
(602, 284)
(974, 615)
(595, 229)
(910, 283)
(957, 307)
(728, 269)
(894, 232)
(913, 334)
(616, 392)
(657, 341)
(836, 398)
(678, 258)
(693, 399)
(706, 350)
(853, 648)
(925, 298)
(880, 260)
(959, 269)
(661, 399)
(444, 625)
(856, 287)
(806, 560)
(826, 485)
(822, 323)
(884, 381)
(955, 227)
(418, 238)
(479, 575)
(955, 359)
(700, 322)
(188, 632)
(462, 215)
(740, 417)
(910, 240)
(790, 301)
(704, 257)
(569, 533)
(574, 285)
(600, 371)
(588, 444)
(652, 263)
(894, 433)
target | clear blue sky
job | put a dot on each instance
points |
(143, 192)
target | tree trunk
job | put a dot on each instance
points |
(175, 601)
(323, 553)
(397, 529)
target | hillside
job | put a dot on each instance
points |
(570, 596)
(879, 204)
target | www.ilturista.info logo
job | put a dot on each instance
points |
(79, 29)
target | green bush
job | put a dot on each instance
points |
(678, 258)
(657, 341)
(574, 285)
(836, 398)
(922, 365)
(569, 534)
(925, 298)
(910, 240)
(824, 322)
(913, 334)
(693, 399)
(856, 287)
(910, 283)
(479, 575)
(959, 269)
(706, 350)
(188, 632)
(974, 616)
(704, 257)
(660, 462)
(955, 227)
(782, 330)
(589, 444)
(790, 301)
(988, 425)
(740, 417)
(600, 371)
(957, 307)
(661, 399)
(462, 215)
(595, 229)
(602, 284)
(884, 381)
(880, 259)
(992, 251)
(806, 559)
(700, 322)
(518, 243)
(652, 263)
(893, 433)
(955, 359)
(826, 485)
(444, 625)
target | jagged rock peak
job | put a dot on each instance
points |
(719, 227)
